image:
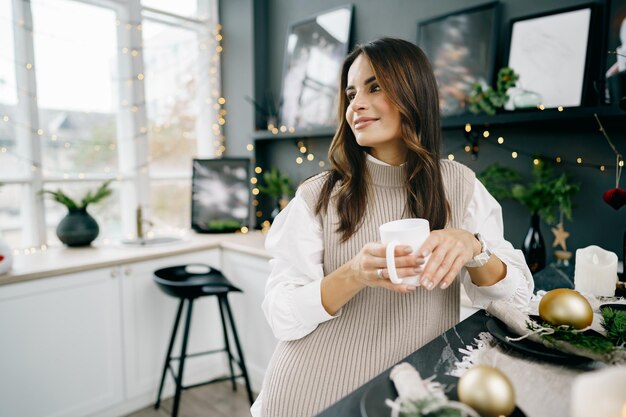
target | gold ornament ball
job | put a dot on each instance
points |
(564, 306)
(488, 391)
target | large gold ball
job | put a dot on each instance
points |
(563, 306)
(488, 391)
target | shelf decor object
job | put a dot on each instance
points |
(315, 50)
(220, 195)
(461, 47)
(550, 52)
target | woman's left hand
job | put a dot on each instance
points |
(450, 250)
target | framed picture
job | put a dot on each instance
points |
(550, 52)
(461, 47)
(220, 195)
(316, 48)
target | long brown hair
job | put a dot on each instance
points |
(405, 75)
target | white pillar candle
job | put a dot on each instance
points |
(596, 271)
(599, 393)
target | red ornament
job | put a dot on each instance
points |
(1, 258)
(615, 197)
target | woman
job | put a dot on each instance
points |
(329, 300)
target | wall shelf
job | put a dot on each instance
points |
(519, 117)
(314, 132)
(531, 116)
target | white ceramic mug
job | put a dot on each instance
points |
(412, 232)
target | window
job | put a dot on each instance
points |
(76, 67)
(99, 90)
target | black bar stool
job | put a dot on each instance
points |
(188, 282)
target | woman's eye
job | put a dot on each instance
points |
(375, 87)
(350, 96)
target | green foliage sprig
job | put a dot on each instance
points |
(592, 343)
(91, 197)
(487, 99)
(614, 322)
(544, 192)
(277, 184)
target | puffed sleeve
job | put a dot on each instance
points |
(293, 304)
(484, 216)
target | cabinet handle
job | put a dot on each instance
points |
(127, 271)
(114, 273)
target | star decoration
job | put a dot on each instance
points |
(560, 235)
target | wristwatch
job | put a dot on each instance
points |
(483, 257)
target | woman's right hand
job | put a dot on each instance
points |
(371, 259)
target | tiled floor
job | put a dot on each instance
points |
(215, 400)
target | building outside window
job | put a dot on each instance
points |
(92, 90)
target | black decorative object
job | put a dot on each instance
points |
(534, 248)
(461, 47)
(77, 228)
(220, 200)
(315, 49)
(553, 55)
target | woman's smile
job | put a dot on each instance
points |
(363, 122)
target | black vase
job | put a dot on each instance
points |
(534, 247)
(77, 228)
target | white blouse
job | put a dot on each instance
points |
(293, 304)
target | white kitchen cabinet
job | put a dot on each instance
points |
(250, 274)
(93, 343)
(60, 345)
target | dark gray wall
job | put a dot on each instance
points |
(247, 72)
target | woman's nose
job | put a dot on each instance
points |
(358, 103)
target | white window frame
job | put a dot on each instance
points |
(134, 183)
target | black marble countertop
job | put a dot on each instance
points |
(435, 358)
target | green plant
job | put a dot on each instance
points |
(486, 99)
(544, 192)
(277, 184)
(91, 197)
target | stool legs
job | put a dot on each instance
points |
(181, 364)
(227, 343)
(242, 364)
(169, 353)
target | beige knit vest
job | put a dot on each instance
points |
(377, 328)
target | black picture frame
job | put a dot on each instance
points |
(220, 195)
(461, 47)
(552, 54)
(314, 51)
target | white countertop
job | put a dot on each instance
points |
(63, 260)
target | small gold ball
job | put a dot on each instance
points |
(488, 391)
(565, 306)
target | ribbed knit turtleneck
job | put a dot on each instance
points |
(377, 328)
(385, 175)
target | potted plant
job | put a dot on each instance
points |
(541, 195)
(78, 228)
(486, 99)
(279, 187)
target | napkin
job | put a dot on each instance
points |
(516, 321)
